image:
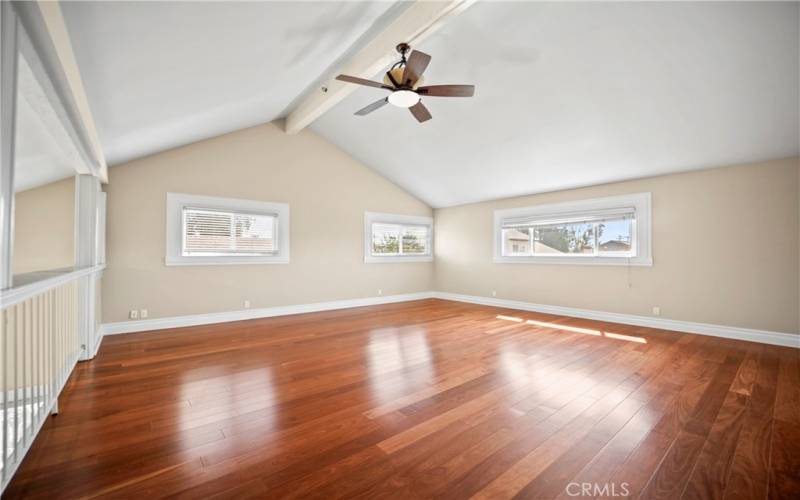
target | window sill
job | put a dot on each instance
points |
(385, 260)
(228, 261)
(578, 261)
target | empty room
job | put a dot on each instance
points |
(449, 249)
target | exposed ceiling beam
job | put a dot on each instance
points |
(415, 23)
(54, 24)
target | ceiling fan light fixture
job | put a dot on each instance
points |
(404, 81)
(403, 98)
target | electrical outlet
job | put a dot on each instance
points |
(143, 313)
(656, 311)
(247, 304)
(380, 292)
(494, 293)
(134, 314)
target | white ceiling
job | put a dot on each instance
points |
(574, 94)
(164, 74)
(44, 152)
(568, 94)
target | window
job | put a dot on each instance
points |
(204, 230)
(209, 232)
(389, 237)
(613, 230)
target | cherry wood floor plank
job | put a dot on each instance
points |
(670, 480)
(689, 381)
(711, 471)
(749, 470)
(784, 477)
(424, 399)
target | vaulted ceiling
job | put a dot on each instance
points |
(164, 74)
(568, 94)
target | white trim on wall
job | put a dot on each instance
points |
(267, 312)
(731, 332)
(98, 341)
(174, 237)
(643, 242)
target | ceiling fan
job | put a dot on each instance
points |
(404, 79)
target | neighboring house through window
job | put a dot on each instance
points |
(612, 230)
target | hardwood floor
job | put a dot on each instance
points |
(418, 400)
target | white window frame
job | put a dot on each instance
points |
(371, 218)
(642, 243)
(176, 202)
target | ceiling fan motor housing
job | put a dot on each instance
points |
(397, 74)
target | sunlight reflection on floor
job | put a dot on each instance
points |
(574, 329)
(236, 393)
(393, 349)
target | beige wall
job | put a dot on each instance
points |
(725, 251)
(726, 243)
(327, 191)
(44, 227)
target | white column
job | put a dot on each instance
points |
(8, 112)
(87, 190)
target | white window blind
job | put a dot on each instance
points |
(208, 232)
(569, 218)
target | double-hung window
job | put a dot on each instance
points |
(404, 238)
(204, 230)
(612, 230)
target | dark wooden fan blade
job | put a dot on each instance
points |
(362, 81)
(420, 112)
(415, 66)
(372, 107)
(447, 90)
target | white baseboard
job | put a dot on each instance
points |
(97, 342)
(267, 312)
(730, 332)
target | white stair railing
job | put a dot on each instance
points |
(40, 344)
